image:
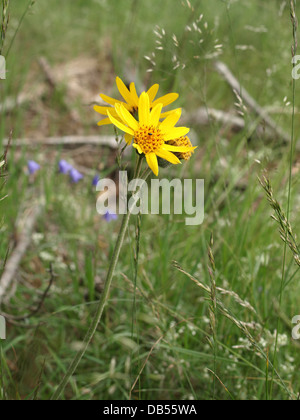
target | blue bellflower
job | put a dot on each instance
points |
(33, 167)
(108, 217)
(64, 167)
(75, 175)
(95, 181)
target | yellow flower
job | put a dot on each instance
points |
(150, 136)
(132, 101)
(182, 141)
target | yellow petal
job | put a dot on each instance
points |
(124, 91)
(134, 95)
(167, 99)
(128, 138)
(176, 133)
(152, 162)
(117, 109)
(138, 148)
(128, 118)
(102, 109)
(120, 125)
(110, 100)
(179, 149)
(119, 114)
(166, 114)
(164, 154)
(152, 92)
(144, 109)
(170, 121)
(105, 121)
(155, 115)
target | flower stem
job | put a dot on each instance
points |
(104, 297)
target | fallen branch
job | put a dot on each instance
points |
(45, 66)
(15, 258)
(204, 116)
(236, 86)
(67, 141)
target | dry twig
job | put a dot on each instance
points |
(14, 260)
(236, 86)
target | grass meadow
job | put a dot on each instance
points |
(194, 312)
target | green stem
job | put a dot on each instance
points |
(104, 297)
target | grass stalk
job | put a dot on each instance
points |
(286, 231)
(103, 301)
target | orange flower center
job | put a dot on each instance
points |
(150, 139)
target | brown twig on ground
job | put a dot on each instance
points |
(66, 141)
(45, 66)
(17, 254)
(204, 116)
(236, 86)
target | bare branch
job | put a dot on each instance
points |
(236, 86)
(14, 260)
(67, 141)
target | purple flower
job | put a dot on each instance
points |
(95, 181)
(108, 217)
(75, 175)
(64, 167)
(33, 167)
